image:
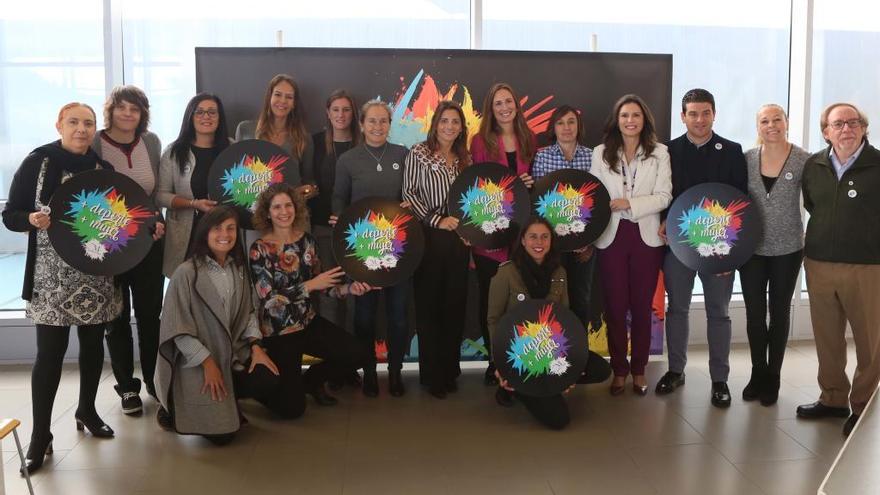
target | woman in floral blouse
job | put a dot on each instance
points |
(286, 268)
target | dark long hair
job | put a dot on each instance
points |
(352, 127)
(613, 139)
(459, 146)
(520, 257)
(200, 250)
(187, 134)
(489, 128)
(560, 112)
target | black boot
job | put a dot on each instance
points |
(770, 390)
(371, 383)
(753, 389)
(395, 384)
(321, 396)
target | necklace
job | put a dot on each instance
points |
(378, 160)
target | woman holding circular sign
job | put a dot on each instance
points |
(504, 137)
(775, 168)
(635, 169)
(183, 174)
(566, 151)
(134, 151)
(57, 294)
(286, 269)
(535, 272)
(441, 280)
(375, 168)
(281, 123)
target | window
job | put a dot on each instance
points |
(51, 53)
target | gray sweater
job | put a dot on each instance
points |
(780, 209)
(358, 177)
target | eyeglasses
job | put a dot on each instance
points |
(852, 123)
(211, 113)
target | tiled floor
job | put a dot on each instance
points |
(465, 444)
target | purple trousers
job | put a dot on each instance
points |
(629, 269)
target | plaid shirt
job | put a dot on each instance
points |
(551, 159)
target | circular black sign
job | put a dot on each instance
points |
(540, 347)
(575, 203)
(102, 222)
(713, 228)
(491, 203)
(244, 170)
(378, 242)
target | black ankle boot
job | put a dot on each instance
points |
(753, 389)
(770, 390)
(371, 383)
(395, 384)
(36, 454)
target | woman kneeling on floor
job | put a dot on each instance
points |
(209, 343)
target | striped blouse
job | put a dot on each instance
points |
(426, 182)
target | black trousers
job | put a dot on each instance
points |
(142, 287)
(551, 411)
(580, 288)
(486, 269)
(339, 350)
(441, 296)
(779, 273)
(46, 374)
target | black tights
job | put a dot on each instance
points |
(46, 374)
(773, 276)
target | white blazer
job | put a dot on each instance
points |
(652, 192)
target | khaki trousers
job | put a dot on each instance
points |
(841, 293)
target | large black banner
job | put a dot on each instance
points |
(413, 81)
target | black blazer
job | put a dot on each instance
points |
(719, 160)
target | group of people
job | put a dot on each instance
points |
(243, 307)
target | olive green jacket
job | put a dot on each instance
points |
(508, 289)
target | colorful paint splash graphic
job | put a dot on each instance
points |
(489, 205)
(376, 241)
(568, 209)
(103, 222)
(539, 348)
(415, 103)
(710, 228)
(248, 178)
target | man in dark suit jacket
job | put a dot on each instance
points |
(700, 156)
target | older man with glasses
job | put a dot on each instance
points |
(841, 186)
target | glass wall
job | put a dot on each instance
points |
(737, 50)
(159, 37)
(51, 53)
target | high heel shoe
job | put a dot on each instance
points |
(97, 427)
(35, 457)
(617, 388)
(640, 389)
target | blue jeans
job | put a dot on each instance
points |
(397, 334)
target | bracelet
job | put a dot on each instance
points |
(192, 203)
